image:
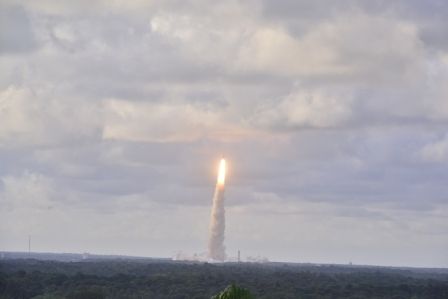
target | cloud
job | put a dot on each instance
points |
(436, 151)
(16, 34)
(305, 109)
(36, 117)
(162, 122)
(336, 47)
(350, 46)
(30, 191)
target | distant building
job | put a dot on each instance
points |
(257, 259)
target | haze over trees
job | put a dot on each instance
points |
(121, 278)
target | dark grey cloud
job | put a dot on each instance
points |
(16, 33)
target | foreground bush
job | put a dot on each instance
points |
(234, 292)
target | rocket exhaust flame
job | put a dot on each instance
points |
(222, 172)
(216, 248)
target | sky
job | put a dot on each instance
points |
(332, 115)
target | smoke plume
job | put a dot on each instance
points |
(216, 248)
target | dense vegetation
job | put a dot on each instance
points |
(21, 278)
(234, 292)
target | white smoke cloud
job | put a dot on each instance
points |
(216, 248)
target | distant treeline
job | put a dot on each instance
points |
(23, 278)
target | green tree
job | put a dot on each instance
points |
(234, 292)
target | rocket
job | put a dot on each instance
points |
(216, 248)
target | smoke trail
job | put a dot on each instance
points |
(216, 248)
